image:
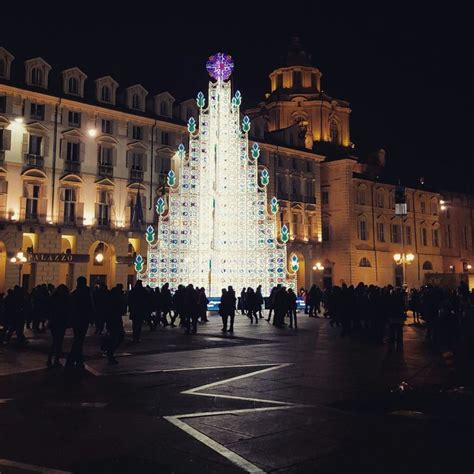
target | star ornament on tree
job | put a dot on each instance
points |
(220, 66)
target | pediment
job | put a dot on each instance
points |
(136, 187)
(71, 178)
(37, 127)
(166, 149)
(137, 88)
(107, 80)
(4, 122)
(75, 71)
(163, 95)
(137, 145)
(3, 171)
(72, 133)
(107, 139)
(105, 182)
(34, 173)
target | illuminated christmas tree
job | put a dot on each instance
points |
(216, 227)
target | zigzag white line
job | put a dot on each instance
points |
(209, 442)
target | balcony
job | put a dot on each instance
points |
(106, 171)
(136, 175)
(297, 197)
(34, 161)
(103, 222)
(283, 196)
(309, 199)
(72, 167)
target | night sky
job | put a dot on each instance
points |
(407, 72)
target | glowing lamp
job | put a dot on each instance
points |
(19, 119)
(99, 258)
(92, 132)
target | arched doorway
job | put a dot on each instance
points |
(3, 266)
(398, 275)
(66, 270)
(102, 264)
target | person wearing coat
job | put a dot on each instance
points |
(58, 323)
(227, 308)
(138, 306)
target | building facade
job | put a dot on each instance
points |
(83, 161)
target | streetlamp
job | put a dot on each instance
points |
(318, 267)
(403, 258)
(19, 260)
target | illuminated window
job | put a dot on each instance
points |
(69, 199)
(364, 262)
(103, 208)
(35, 145)
(32, 199)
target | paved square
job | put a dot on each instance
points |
(264, 399)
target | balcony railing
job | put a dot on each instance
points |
(72, 166)
(136, 175)
(309, 199)
(34, 161)
(106, 171)
(103, 222)
(284, 196)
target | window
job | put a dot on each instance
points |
(325, 232)
(107, 126)
(391, 201)
(408, 235)
(297, 79)
(465, 238)
(137, 132)
(281, 188)
(314, 81)
(434, 208)
(360, 196)
(424, 237)
(364, 262)
(294, 186)
(73, 85)
(164, 108)
(279, 81)
(296, 224)
(449, 242)
(423, 207)
(380, 232)
(427, 265)
(395, 233)
(72, 152)
(362, 230)
(309, 167)
(105, 94)
(105, 156)
(280, 161)
(334, 131)
(5, 139)
(309, 188)
(435, 237)
(165, 138)
(136, 161)
(325, 197)
(164, 165)
(32, 199)
(3, 104)
(136, 102)
(69, 205)
(3, 68)
(37, 111)
(37, 76)
(103, 210)
(34, 147)
(74, 119)
(379, 199)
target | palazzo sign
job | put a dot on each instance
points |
(57, 258)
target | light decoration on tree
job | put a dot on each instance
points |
(150, 234)
(181, 151)
(218, 228)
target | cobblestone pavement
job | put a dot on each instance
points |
(264, 399)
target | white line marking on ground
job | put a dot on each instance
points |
(31, 467)
(209, 442)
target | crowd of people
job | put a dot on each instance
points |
(447, 315)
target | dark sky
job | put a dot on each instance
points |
(406, 70)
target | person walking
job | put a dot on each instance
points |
(58, 323)
(82, 313)
(190, 308)
(114, 323)
(292, 308)
(259, 301)
(227, 308)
